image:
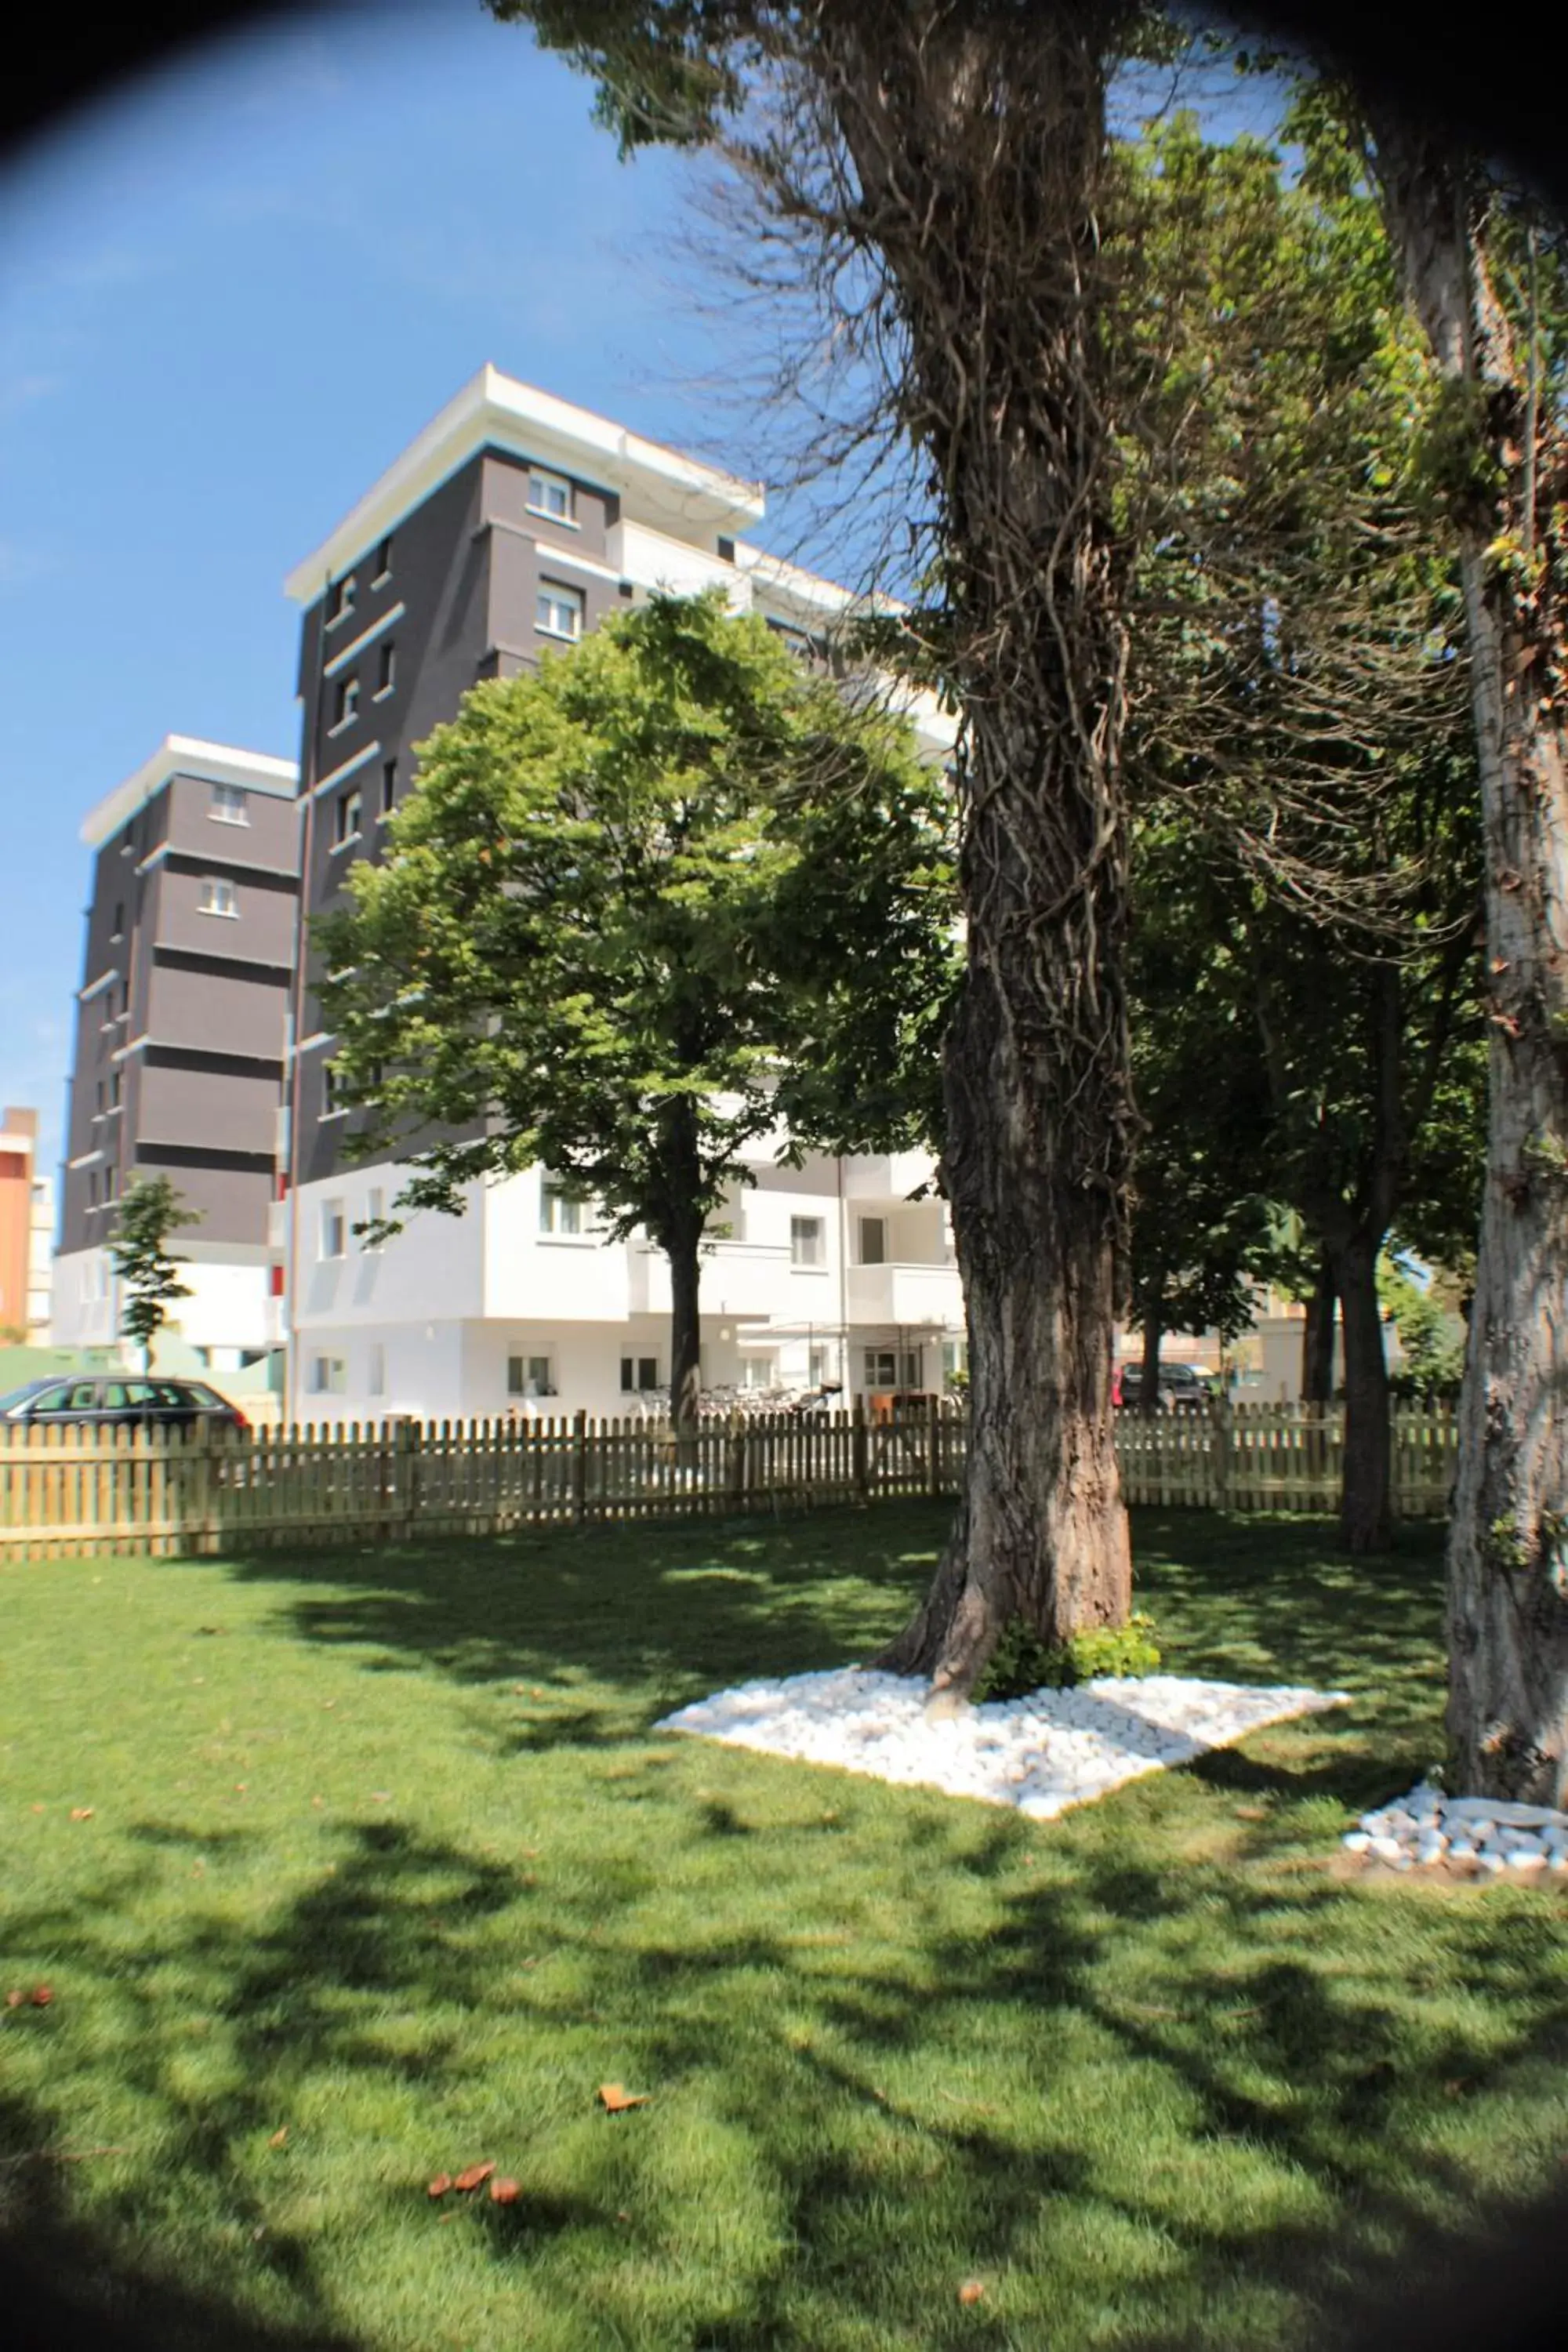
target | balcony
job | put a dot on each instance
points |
(748, 1279)
(887, 1176)
(903, 1297)
(651, 559)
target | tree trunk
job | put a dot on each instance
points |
(978, 142)
(1318, 1338)
(1366, 1517)
(1507, 1552)
(685, 1333)
(1149, 1369)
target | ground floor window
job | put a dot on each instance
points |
(758, 1371)
(328, 1376)
(638, 1372)
(377, 1370)
(892, 1367)
(955, 1362)
(817, 1373)
(531, 1376)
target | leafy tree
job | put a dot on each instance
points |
(643, 904)
(151, 1210)
(1299, 697)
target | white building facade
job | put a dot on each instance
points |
(512, 522)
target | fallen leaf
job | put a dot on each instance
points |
(81, 1813)
(37, 1808)
(381, 1796)
(42, 1996)
(536, 1694)
(971, 2291)
(439, 2186)
(15, 1996)
(318, 1800)
(614, 2099)
(623, 2217)
(473, 2176)
(278, 2137)
(505, 2191)
(1252, 1813)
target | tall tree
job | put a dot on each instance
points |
(1297, 693)
(586, 945)
(149, 1212)
(943, 170)
(1485, 280)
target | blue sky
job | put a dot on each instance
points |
(227, 299)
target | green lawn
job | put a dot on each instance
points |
(385, 1855)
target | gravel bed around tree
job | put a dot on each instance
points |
(1472, 1835)
(1042, 1754)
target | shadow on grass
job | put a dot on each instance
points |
(1158, 2101)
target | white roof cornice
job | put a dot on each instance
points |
(495, 411)
(187, 755)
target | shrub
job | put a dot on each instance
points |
(1021, 1662)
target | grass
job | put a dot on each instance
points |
(385, 1855)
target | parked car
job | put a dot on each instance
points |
(1181, 1386)
(119, 1401)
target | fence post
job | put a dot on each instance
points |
(404, 1478)
(198, 1531)
(738, 1463)
(579, 1464)
(934, 1446)
(1219, 1484)
(860, 1454)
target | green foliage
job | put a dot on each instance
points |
(1021, 1662)
(1432, 1348)
(641, 904)
(1455, 455)
(149, 1212)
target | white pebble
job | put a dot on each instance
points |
(1357, 1841)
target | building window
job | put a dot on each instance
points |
(229, 805)
(805, 1241)
(334, 1228)
(817, 1372)
(549, 494)
(388, 677)
(377, 1375)
(873, 1241)
(98, 1098)
(119, 930)
(374, 1210)
(383, 563)
(345, 704)
(341, 599)
(388, 786)
(350, 819)
(758, 1371)
(329, 1375)
(558, 612)
(531, 1376)
(218, 896)
(332, 1098)
(954, 1362)
(560, 1207)
(726, 550)
(114, 1090)
(892, 1367)
(638, 1372)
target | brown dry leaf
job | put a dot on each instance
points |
(15, 1996)
(473, 2176)
(1252, 1813)
(505, 2191)
(81, 1813)
(278, 2137)
(439, 2186)
(615, 2099)
(971, 2291)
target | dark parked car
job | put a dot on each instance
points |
(119, 1401)
(1181, 1386)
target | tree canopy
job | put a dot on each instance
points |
(643, 906)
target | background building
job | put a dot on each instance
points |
(516, 522)
(181, 1038)
(19, 1318)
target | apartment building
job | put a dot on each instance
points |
(513, 523)
(182, 1039)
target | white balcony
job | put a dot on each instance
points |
(650, 559)
(904, 1297)
(887, 1176)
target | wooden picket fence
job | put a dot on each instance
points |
(68, 1492)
